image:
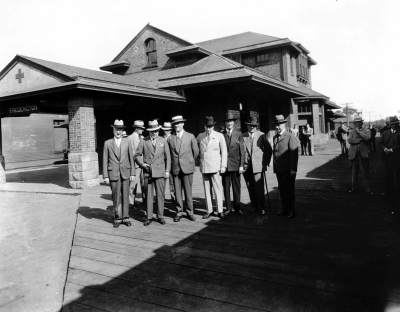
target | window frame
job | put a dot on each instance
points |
(151, 52)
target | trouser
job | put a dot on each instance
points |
(214, 181)
(255, 186)
(303, 148)
(133, 186)
(184, 181)
(357, 163)
(120, 196)
(372, 144)
(390, 176)
(343, 147)
(310, 147)
(287, 190)
(157, 184)
(172, 187)
(228, 178)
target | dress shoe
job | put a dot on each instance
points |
(161, 221)
(207, 215)
(127, 223)
(116, 224)
(369, 192)
(191, 218)
(262, 212)
(221, 215)
(227, 212)
(147, 222)
(253, 210)
(281, 213)
(352, 191)
(290, 215)
(177, 218)
(239, 212)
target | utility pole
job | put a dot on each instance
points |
(347, 112)
(370, 116)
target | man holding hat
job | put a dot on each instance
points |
(235, 164)
(213, 162)
(167, 128)
(390, 145)
(359, 154)
(119, 169)
(286, 156)
(184, 151)
(135, 138)
(154, 158)
(257, 157)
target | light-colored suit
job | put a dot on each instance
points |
(309, 134)
(159, 160)
(213, 156)
(135, 139)
(118, 166)
(359, 156)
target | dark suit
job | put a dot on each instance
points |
(359, 156)
(286, 156)
(184, 152)
(391, 140)
(159, 160)
(236, 154)
(118, 166)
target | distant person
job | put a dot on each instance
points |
(295, 131)
(390, 145)
(342, 137)
(167, 128)
(303, 141)
(359, 155)
(309, 134)
(385, 128)
(372, 143)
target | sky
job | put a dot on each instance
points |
(354, 42)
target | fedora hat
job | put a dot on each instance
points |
(393, 120)
(280, 119)
(177, 119)
(153, 125)
(209, 121)
(358, 119)
(166, 126)
(138, 124)
(119, 124)
(229, 116)
(252, 121)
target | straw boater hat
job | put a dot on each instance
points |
(393, 120)
(229, 116)
(279, 119)
(138, 124)
(119, 124)
(358, 119)
(252, 121)
(209, 121)
(166, 126)
(177, 119)
(153, 126)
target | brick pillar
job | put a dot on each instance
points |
(293, 116)
(315, 116)
(83, 161)
(2, 163)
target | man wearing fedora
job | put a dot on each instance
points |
(390, 145)
(154, 158)
(119, 169)
(213, 162)
(184, 151)
(257, 157)
(359, 154)
(235, 164)
(286, 156)
(135, 138)
(167, 128)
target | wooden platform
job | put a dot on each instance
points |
(340, 253)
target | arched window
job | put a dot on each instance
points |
(151, 52)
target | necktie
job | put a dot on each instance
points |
(153, 141)
(251, 142)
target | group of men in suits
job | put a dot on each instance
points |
(224, 157)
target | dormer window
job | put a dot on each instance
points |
(262, 58)
(151, 52)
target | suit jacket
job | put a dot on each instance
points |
(183, 153)
(213, 156)
(159, 159)
(359, 142)
(236, 150)
(342, 133)
(135, 139)
(118, 161)
(286, 152)
(261, 152)
(391, 140)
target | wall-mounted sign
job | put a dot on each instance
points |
(23, 110)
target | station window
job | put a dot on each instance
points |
(151, 52)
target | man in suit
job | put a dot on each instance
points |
(235, 164)
(213, 162)
(359, 154)
(342, 137)
(135, 138)
(390, 145)
(372, 143)
(119, 169)
(257, 157)
(303, 141)
(385, 128)
(309, 136)
(154, 158)
(184, 151)
(286, 156)
(167, 128)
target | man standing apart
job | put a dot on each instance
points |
(119, 169)
(309, 134)
(257, 157)
(359, 155)
(154, 158)
(184, 151)
(372, 143)
(135, 138)
(286, 156)
(213, 159)
(342, 137)
(235, 163)
(390, 145)
(167, 128)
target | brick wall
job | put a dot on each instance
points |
(272, 69)
(315, 114)
(2, 172)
